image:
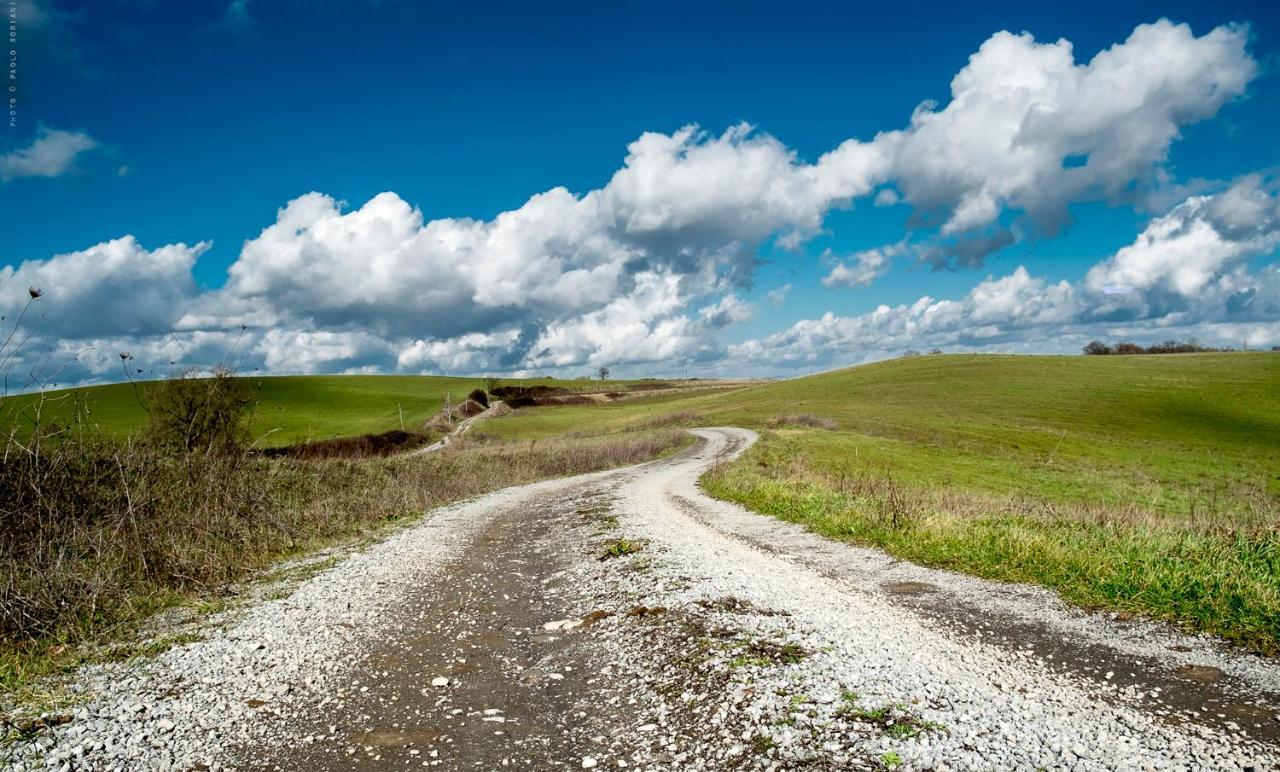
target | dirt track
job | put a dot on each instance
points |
(498, 634)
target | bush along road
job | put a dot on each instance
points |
(624, 619)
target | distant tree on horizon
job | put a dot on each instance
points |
(604, 373)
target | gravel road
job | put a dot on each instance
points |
(625, 620)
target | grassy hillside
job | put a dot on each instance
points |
(1119, 429)
(290, 409)
(1141, 483)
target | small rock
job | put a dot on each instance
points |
(439, 681)
(588, 762)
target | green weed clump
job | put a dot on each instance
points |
(618, 548)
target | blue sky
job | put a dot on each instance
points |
(206, 118)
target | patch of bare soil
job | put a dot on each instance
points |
(363, 446)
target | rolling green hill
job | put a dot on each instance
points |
(1061, 427)
(289, 408)
(1146, 484)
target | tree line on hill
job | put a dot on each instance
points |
(1098, 348)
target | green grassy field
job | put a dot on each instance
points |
(289, 409)
(1148, 484)
(1158, 430)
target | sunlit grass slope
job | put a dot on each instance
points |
(1139, 483)
(1148, 429)
(289, 409)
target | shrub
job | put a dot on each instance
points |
(197, 412)
(1097, 348)
(529, 396)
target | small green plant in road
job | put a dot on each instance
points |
(745, 660)
(895, 719)
(618, 548)
(891, 759)
(763, 653)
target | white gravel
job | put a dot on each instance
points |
(240, 685)
(993, 709)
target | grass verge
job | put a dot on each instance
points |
(1210, 574)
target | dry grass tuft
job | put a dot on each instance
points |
(363, 446)
(678, 418)
(805, 419)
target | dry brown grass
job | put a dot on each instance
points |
(677, 418)
(1255, 513)
(805, 419)
(95, 535)
(362, 446)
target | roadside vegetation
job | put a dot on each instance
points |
(99, 532)
(1142, 484)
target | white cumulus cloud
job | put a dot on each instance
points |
(114, 288)
(648, 267)
(1186, 275)
(51, 153)
(1030, 129)
(863, 267)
